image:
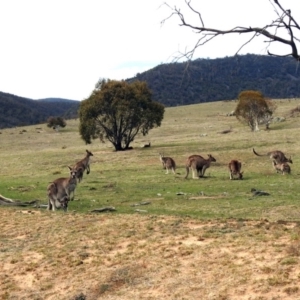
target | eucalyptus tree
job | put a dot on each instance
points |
(253, 108)
(117, 111)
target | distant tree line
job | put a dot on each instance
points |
(207, 80)
(19, 111)
(176, 84)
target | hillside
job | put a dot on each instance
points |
(18, 111)
(176, 84)
(207, 80)
(169, 237)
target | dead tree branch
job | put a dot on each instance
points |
(10, 202)
(284, 29)
(104, 209)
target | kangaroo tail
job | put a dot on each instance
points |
(257, 153)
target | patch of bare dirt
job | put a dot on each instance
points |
(46, 255)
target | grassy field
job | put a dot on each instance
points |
(207, 237)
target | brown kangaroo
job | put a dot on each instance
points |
(59, 191)
(198, 165)
(83, 165)
(277, 156)
(190, 158)
(235, 169)
(283, 168)
(147, 145)
(168, 163)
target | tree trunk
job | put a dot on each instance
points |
(118, 146)
(256, 128)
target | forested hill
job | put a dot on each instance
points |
(203, 80)
(18, 111)
(206, 80)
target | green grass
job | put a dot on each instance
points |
(29, 161)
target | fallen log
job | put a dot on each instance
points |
(103, 209)
(141, 203)
(141, 210)
(11, 202)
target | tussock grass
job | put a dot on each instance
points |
(208, 237)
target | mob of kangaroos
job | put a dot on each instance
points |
(62, 190)
(198, 164)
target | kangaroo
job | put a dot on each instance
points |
(283, 168)
(198, 164)
(168, 163)
(60, 191)
(191, 157)
(277, 156)
(83, 165)
(147, 145)
(235, 169)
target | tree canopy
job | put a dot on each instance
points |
(117, 111)
(56, 122)
(253, 108)
(283, 29)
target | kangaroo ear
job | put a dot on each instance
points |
(69, 168)
(242, 173)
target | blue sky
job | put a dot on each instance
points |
(60, 48)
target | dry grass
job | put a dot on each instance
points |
(212, 242)
(76, 256)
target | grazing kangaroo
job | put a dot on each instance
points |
(198, 165)
(168, 163)
(283, 168)
(83, 165)
(277, 156)
(235, 169)
(147, 145)
(60, 191)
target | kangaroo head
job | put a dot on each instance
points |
(211, 158)
(241, 175)
(73, 172)
(89, 153)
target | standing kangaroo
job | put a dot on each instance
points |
(61, 191)
(83, 165)
(277, 156)
(168, 163)
(235, 169)
(198, 165)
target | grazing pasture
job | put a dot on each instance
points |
(169, 237)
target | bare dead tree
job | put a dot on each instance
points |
(284, 29)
